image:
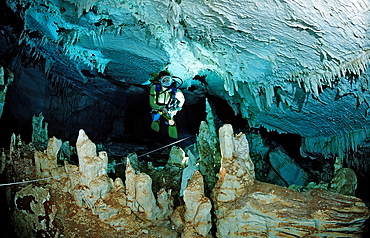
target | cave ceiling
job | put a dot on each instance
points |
(297, 67)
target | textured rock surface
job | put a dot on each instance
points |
(344, 182)
(287, 168)
(6, 77)
(83, 201)
(34, 211)
(297, 67)
(245, 207)
(197, 208)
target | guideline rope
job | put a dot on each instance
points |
(63, 175)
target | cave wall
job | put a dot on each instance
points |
(6, 77)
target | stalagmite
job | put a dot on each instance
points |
(81, 200)
(344, 182)
(188, 172)
(40, 136)
(177, 157)
(298, 67)
(141, 200)
(265, 210)
(46, 162)
(197, 208)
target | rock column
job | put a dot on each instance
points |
(245, 207)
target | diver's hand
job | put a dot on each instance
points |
(163, 110)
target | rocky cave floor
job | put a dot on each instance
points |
(153, 153)
(152, 159)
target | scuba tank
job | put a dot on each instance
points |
(173, 102)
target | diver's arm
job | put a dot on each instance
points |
(181, 98)
(153, 98)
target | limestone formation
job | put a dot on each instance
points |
(344, 182)
(79, 201)
(197, 208)
(188, 172)
(208, 156)
(299, 67)
(245, 207)
(287, 168)
(2, 160)
(177, 157)
(46, 162)
(34, 211)
(40, 134)
(141, 199)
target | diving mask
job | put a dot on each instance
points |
(166, 81)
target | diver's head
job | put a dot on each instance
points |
(166, 81)
(164, 73)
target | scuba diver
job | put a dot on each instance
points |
(166, 99)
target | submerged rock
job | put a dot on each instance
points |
(245, 207)
(344, 182)
(287, 168)
(79, 201)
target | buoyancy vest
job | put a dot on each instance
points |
(172, 102)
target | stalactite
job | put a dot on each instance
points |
(48, 66)
(314, 78)
(339, 144)
(92, 58)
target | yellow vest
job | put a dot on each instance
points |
(163, 97)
